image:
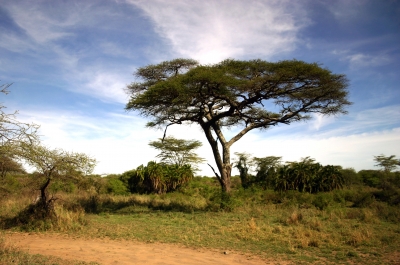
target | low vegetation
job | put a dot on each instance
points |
(356, 224)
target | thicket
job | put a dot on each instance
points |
(157, 178)
(304, 176)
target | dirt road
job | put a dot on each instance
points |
(105, 251)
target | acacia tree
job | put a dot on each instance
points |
(246, 95)
(54, 164)
(177, 151)
(9, 164)
(388, 163)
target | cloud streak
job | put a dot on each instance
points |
(53, 39)
(117, 141)
(211, 31)
(357, 60)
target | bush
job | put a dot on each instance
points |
(371, 178)
(363, 200)
(116, 186)
(386, 212)
(322, 200)
(223, 201)
(157, 178)
(389, 194)
(351, 177)
(65, 186)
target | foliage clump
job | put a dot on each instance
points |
(303, 176)
(157, 178)
(178, 152)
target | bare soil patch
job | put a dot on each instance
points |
(106, 251)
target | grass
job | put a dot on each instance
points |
(293, 234)
(345, 227)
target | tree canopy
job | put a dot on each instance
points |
(388, 163)
(177, 151)
(249, 95)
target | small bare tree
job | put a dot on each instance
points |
(11, 130)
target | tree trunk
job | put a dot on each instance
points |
(46, 205)
(226, 178)
(43, 192)
(223, 163)
(225, 169)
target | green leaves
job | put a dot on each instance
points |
(308, 176)
(56, 162)
(177, 151)
(181, 90)
(157, 177)
(303, 176)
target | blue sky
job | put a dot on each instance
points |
(69, 62)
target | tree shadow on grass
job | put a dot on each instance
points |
(35, 216)
(98, 204)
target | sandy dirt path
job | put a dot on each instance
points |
(105, 251)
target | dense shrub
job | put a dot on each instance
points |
(65, 186)
(116, 186)
(307, 176)
(157, 178)
(351, 177)
(371, 178)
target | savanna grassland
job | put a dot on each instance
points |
(358, 224)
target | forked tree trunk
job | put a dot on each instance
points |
(224, 168)
(223, 163)
(45, 204)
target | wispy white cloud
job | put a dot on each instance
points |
(362, 60)
(104, 84)
(14, 43)
(320, 121)
(53, 35)
(346, 11)
(323, 127)
(211, 31)
(357, 60)
(118, 142)
(41, 26)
